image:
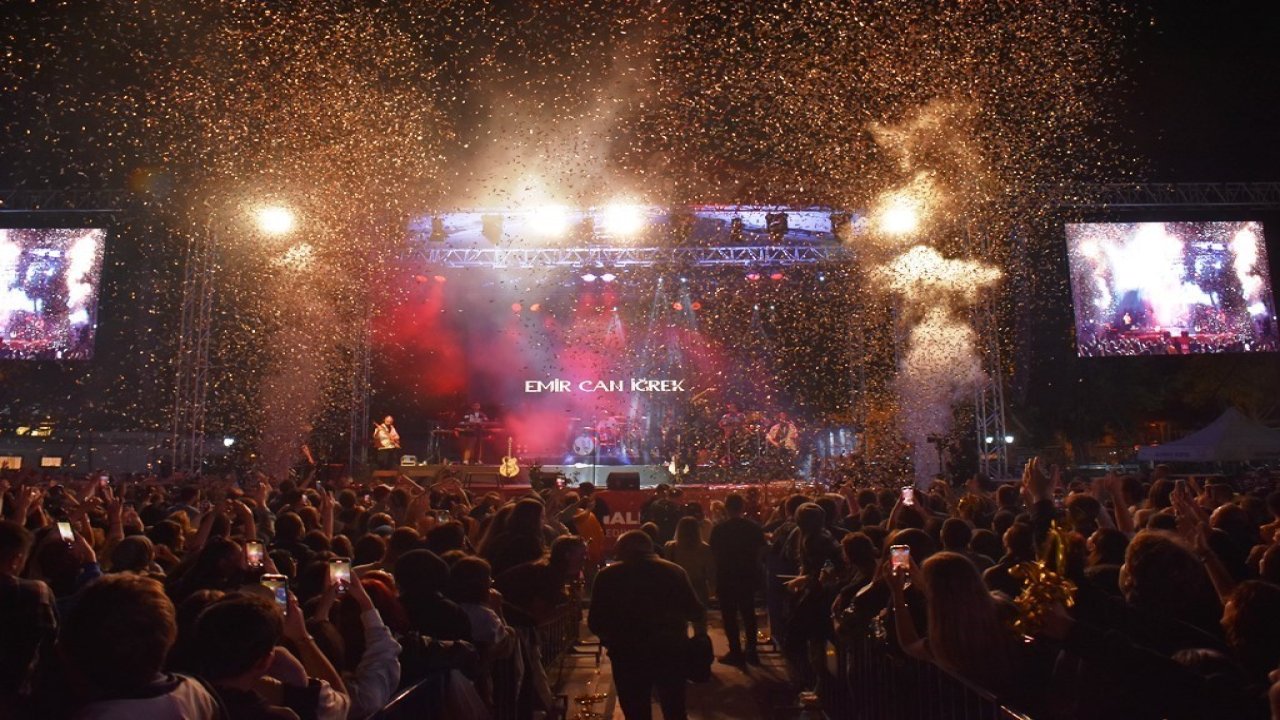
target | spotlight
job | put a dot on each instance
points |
(753, 276)
(228, 442)
(440, 278)
(684, 279)
(677, 306)
(696, 305)
(622, 219)
(822, 277)
(588, 277)
(776, 224)
(777, 276)
(491, 228)
(516, 307)
(989, 439)
(901, 216)
(1008, 439)
(536, 307)
(276, 220)
(438, 233)
(608, 277)
(550, 220)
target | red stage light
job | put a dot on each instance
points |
(677, 306)
(516, 307)
(440, 278)
(696, 306)
(421, 278)
(753, 276)
(536, 307)
(776, 276)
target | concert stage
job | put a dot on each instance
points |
(613, 477)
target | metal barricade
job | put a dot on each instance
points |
(879, 683)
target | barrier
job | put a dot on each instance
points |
(422, 701)
(879, 683)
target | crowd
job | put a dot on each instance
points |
(221, 598)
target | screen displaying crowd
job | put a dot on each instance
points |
(1171, 288)
(226, 598)
(49, 292)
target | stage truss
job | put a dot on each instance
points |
(630, 257)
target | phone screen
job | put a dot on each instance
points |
(279, 586)
(64, 531)
(253, 551)
(908, 495)
(899, 556)
(340, 573)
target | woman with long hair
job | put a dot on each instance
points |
(966, 634)
(689, 552)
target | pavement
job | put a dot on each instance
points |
(749, 692)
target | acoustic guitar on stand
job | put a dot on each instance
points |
(509, 467)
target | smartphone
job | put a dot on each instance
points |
(899, 556)
(64, 531)
(253, 551)
(340, 573)
(279, 586)
(908, 495)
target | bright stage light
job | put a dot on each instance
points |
(516, 307)
(275, 220)
(1008, 439)
(228, 441)
(777, 276)
(608, 277)
(901, 216)
(622, 219)
(550, 220)
(753, 276)
(589, 277)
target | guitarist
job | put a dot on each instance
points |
(472, 431)
(386, 442)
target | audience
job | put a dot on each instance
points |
(1176, 607)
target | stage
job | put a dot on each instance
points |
(614, 477)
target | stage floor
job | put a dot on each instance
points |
(619, 477)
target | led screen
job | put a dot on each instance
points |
(1170, 288)
(49, 281)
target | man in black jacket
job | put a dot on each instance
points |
(641, 607)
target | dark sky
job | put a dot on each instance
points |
(1206, 100)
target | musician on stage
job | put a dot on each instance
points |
(472, 432)
(386, 443)
(731, 423)
(783, 439)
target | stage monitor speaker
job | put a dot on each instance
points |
(623, 481)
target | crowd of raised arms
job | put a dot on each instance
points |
(230, 598)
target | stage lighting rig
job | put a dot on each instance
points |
(620, 219)
(275, 220)
(552, 221)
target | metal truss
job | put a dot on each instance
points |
(191, 364)
(618, 257)
(1240, 195)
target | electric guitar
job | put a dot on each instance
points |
(509, 467)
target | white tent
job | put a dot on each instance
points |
(1231, 438)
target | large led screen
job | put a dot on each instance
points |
(1170, 288)
(49, 279)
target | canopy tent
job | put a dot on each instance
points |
(1231, 438)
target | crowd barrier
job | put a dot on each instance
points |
(877, 682)
(425, 700)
